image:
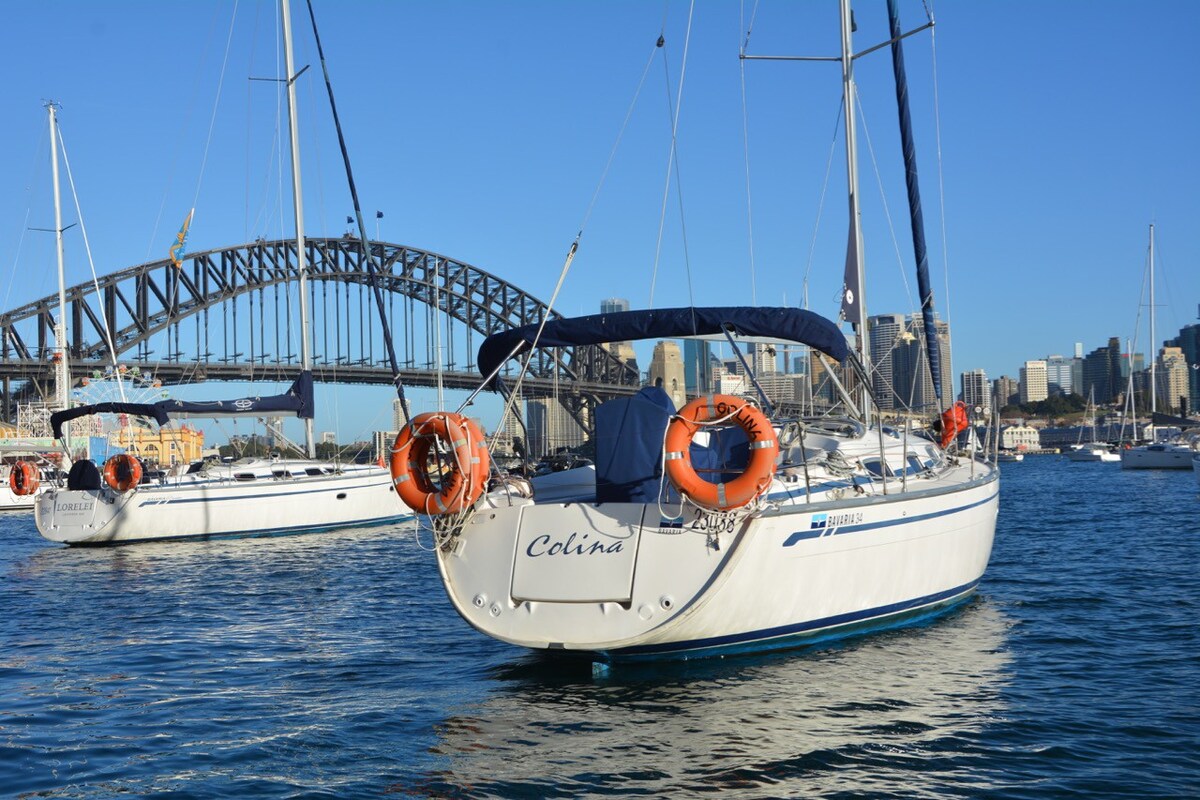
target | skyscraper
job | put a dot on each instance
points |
(697, 375)
(976, 391)
(1033, 382)
(901, 377)
(1102, 373)
(1058, 375)
(886, 333)
(1005, 392)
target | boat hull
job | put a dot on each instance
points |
(1161, 457)
(619, 581)
(218, 509)
(16, 502)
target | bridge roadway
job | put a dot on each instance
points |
(174, 373)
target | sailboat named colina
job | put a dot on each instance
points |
(720, 527)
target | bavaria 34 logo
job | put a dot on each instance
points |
(824, 525)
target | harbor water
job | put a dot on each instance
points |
(333, 666)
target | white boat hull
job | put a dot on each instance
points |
(1090, 456)
(17, 502)
(219, 508)
(1157, 457)
(617, 580)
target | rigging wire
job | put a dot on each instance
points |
(746, 148)
(673, 161)
(174, 295)
(887, 213)
(812, 247)
(112, 350)
(515, 393)
(937, 116)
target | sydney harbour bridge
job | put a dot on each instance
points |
(233, 315)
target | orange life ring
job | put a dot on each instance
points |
(954, 422)
(23, 479)
(467, 477)
(764, 448)
(122, 472)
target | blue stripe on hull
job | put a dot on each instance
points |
(151, 501)
(816, 533)
(295, 530)
(803, 633)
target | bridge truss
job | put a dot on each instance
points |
(233, 315)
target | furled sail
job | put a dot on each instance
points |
(785, 324)
(914, 203)
(297, 401)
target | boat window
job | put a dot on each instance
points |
(315, 471)
(243, 476)
(280, 473)
(876, 467)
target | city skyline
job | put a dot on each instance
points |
(1047, 195)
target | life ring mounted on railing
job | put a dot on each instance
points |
(764, 449)
(122, 472)
(464, 473)
(24, 479)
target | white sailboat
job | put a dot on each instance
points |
(114, 503)
(1092, 451)
(1155, 454)
(824, 526)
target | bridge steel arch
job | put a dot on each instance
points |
(119, 314)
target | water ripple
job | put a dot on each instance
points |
(332, 666)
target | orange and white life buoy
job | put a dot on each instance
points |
(23, 479)
(466, 473)
(122, 472)
(764, 448)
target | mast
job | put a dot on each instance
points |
(298, 207)
(916, 217)
(61, 371)
(1153, 343)
(854, 304)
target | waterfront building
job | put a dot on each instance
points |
(1019, 437)
(1033, 382)
(381, 444)
(164, 446)
(976, 391)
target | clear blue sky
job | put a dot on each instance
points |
(481, 131)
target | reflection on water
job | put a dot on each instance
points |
(851, 716)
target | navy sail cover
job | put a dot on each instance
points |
(784, 324)
(296, 401)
